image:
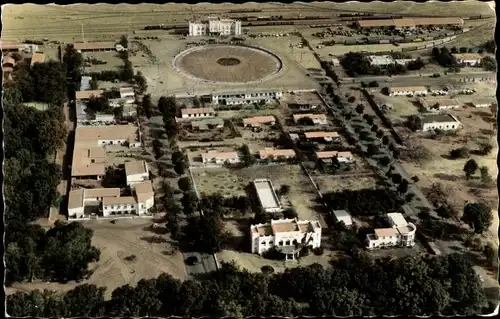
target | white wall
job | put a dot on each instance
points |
(120, 209)
(137, 178)
(76, 212)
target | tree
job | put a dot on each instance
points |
(396, 178)
(371, 150)
(470, 168)
(94, 84)
(351, 99)
(85, 301)
(247, 157)
(478, 216)
(140, 80)
(360, 108)
(385, 140)
(184, 184)
(384, 161)
(284, 189)
(123, 41)
(73, 61)
(490, 46)
(147, 106)
(403, 186)
(180, 167)
(409, 197)
(189, 202)
(374, 128)
(485, 175)
(489, 63)
(485, 148)
(415, 179)
(462, 152)
(128, 71)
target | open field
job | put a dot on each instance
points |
(254, 263)
(105, 22)
(113, 61)
(402, 107)
(328, 183)
(125, 238)
(450, 172)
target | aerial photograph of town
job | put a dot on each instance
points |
(252, 159)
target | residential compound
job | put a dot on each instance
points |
(214, 26)
(468, 59)
(285, 235)
(197, 112)
(401, 233)
(94, 149)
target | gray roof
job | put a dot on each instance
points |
(439, 118)
(85, 83)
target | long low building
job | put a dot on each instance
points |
(403, 23)
(342, 157)
(444, 122)
(257, 121)
(286, 235)
(408, 91)
(436, 104)
(266, 194)
(326, 136)
(245, 98)
(197, 112)
(94, 46)
(214, 157)
(274, 153)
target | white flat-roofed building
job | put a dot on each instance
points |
(257, 121)
(318, 119)
(245, 98)
(468, 59)
(220, 157)
(127, 92)
(484, 102)
(215, 26)
(197, 112)
(136, 172)
(400, 234)
(403, 61)
(437, 104)
(326, 136)
(268, 199)
(76, 206)
(381, 60)
(343, 216)
(342, 157)
(408, 91)
(444, 122)
(286, 235)
(276, 154)
(92, 136)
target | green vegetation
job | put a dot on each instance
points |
(364, 202)
(355, 285)
(478, 216)
(355, 64)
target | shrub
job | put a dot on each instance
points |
(273, 254)
(304, 251)
(319, 251)
(462, 152)
(267, 270)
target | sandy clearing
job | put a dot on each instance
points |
(117, 242)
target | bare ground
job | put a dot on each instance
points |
(117, 241)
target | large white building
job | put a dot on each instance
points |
(214, 26)
(245, 98)
(468, 59)
(268, 199)
(380, 60)
(285, 235)
(401, 233)
(109, 202)
(444, 122)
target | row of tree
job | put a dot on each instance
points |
(355, 286)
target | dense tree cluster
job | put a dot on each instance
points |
(247, 157)
(490, 46)
(60, 254)
(73, 60)
(353, 286)
(356, 64)
(364, 202)
(168, 108)
(43, 82)
(444, 57)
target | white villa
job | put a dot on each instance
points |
(220, 157)
(444, 122)
(214, 26)
(285, 235)
(400, 234)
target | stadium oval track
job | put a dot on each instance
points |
(228, 64)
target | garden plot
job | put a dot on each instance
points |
(187, 133)
(338, 183)
(113, 61)
(232, 182)
(399, 107)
